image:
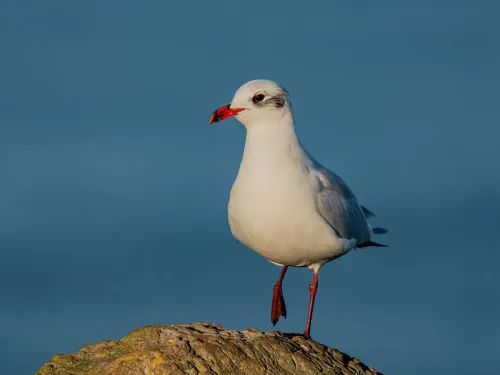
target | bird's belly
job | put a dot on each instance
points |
(284, 227)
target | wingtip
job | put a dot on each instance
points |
(367, 212)
(371, 244)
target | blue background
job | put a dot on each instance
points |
(114, 187)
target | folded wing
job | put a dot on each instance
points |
(340, 208)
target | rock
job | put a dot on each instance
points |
(203, 349)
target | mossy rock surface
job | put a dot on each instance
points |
(203, 349)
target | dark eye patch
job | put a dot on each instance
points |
(278, 100)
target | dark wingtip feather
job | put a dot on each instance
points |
(367, 212)
(379, 230)
(370, 244)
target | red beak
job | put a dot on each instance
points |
(224, 112)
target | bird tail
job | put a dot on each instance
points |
(369, 244)
(379, 230)
(376, 230)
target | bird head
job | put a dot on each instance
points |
(256, 102)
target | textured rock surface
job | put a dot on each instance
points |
(204, 348)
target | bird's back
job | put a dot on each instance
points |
(339, 207)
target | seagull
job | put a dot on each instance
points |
(284, 204)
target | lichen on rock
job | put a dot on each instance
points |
(203, 349)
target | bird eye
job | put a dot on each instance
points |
(259, 97)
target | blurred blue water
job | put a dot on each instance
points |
(114, 186)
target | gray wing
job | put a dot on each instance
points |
(340, 208)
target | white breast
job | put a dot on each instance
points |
(272, 208)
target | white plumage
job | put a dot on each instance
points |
(284, 204)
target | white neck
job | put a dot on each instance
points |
(271, 145)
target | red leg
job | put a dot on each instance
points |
(313, 287)
(278, 307)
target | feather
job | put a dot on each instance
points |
(370, 243)
(379, 230)
(367, 212)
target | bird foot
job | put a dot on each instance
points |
(278, 307)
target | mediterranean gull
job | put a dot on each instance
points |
(285, 205)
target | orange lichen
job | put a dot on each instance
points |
(157, 360)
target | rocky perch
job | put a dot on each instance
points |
(204, 348)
